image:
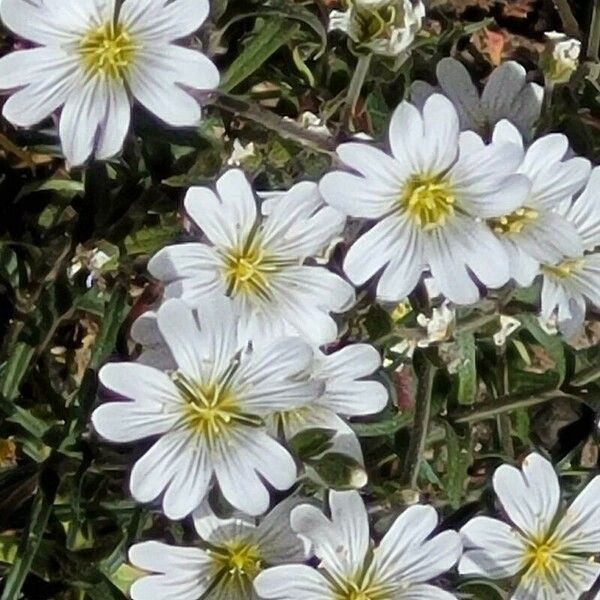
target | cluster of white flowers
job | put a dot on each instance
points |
(244, 352)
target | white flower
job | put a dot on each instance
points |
(548, 551)
(506, 95)
(258, 261)
(534, 232)
(230, 555)
(574, 280)
(240, 153)
(351, 569)
(386, 27)
(560, 58)
(426, 199)
(208, 414)
(91, 60)
(345, 392)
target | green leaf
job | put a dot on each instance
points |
(311, 443)
(273, 34)
(467, 372)
(15, 369)
(459, 461)
(386, 426)
(150, 239)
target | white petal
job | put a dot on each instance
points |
(115, 126)
(82, 116)
(440, 126)
(585, 212)
(55, 22)
(342, 542)
(277, 541)
(492, 549)
(139, 382)
(579, 529)
(359, 196)
(373, 249)
(531, 496)
(229, 218)
(405, 554)
(163, 20)
(424, 592)
(351, 362)
(155, 89)
(293, 582)
(406, 137)
(25, 67)
(166, 463)
(241, 458)
(502, 89)
(183, 572)
(190, 260)
(456, 83)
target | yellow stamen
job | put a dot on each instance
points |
(565, 269)
(429, 200)
(514, 222)
(543, 560)
(107, 51)
(238, 560)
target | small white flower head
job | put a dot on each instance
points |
(560, 58)
(92, 59)
(428, 200)
(385, 27)
(549, 552)
(350, 567)
(506, 95)
(230, 554)
(535, 232)
(346, 393)
(573, 281)
(208, 413)
(259, 260)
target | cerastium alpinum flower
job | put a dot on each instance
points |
(506, 95)
(352, 567)
(208, 414)
(259, 261)
(93, 58)
(546, 551)
(229, 555)
(427, 199)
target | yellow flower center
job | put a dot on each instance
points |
(429, 200)
(210, 410)
(107, 51)
(238, 560)
(543, 560)
(515, 222)
(565, 269)
(249, 269)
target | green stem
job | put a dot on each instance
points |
(356, 85)
(503, 420)
(593, 44)
(418, 439)
(569, 21)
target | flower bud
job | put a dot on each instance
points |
(560, 58)
(386, 27)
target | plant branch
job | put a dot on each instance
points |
(593, 43)
(355, 87)
(286, 129)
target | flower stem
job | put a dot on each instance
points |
(593, 44)
(503, 420)
(418, 439)
(356, 85)
(286, 129)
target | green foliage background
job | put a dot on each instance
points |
(66, 518)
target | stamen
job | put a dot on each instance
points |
(565, 269)
(107, 51)
(428, 200)
(514, 222)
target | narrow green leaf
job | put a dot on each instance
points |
(15, 368)
(273, 34)
(459, 460)
(467, 372)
